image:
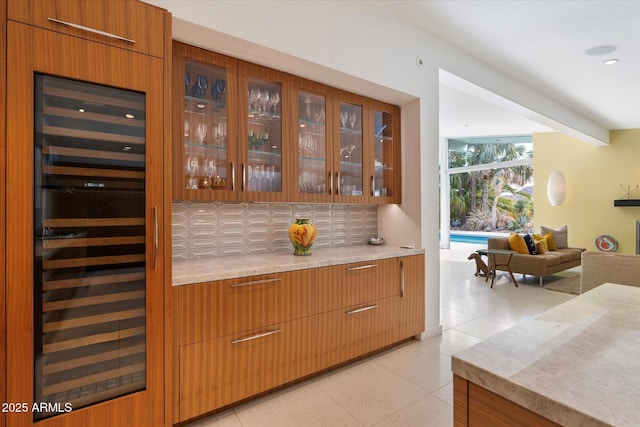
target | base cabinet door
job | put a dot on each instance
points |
(411, 300)
(345, 334)
(219, 372)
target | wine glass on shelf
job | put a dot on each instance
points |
(210, 170)
(192, 169)
(201, 132)
(274, 100)
(344, 116)
(264, 99)
(254, 94)
(307, 107)
(271, 174)
(186, 127)
(352, 120)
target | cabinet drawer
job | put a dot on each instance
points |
(352, 284)
(211, 310)
(344, 334)
(218, 372)
(142, 31)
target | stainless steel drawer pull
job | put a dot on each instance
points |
(254, 337)
(255, 282)
(402, 279)
(155, 238)
(362, 267)
(92, 30)
(360, 310)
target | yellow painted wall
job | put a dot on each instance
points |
(593, 175)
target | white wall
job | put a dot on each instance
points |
(355, 46)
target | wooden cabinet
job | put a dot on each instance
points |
(250, 133)
(348, 147)
(211, 310)
(411, 299)
(240, 337)
(228, 146)
(3, 77)
(475, 406)
(218, 372)
(350, 332)
(205, 149)
(116, 23)
(84, 273)
(348, 285)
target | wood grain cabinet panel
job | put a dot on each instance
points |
(211, 310)
(475, 406)
(218, 372)
(348, 285)
(85, 309)
(245, 336)
(348, 333)
(411, 301)
(130, 24)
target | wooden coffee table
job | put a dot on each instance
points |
(493, 263)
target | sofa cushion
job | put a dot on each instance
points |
(575, 253)
(517, 243)
(560, 236)
(565, 256)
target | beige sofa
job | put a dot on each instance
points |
(602, 267)
(538, 265)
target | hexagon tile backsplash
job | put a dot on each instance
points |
(205, 229)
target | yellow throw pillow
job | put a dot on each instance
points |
(541, 246)
(517, 243)
(550, 242)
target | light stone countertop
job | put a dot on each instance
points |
(577, 364)
(229, 267)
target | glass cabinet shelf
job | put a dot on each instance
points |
(199, 105)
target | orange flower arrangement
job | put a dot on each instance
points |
(302, 234)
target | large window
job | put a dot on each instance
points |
(489, 183)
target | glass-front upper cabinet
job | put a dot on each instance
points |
(263, 139)
(205, 126)
(349, 177)
(312, 174)
(384, 143)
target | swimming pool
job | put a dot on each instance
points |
(468, 238)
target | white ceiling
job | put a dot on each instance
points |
(542, 44)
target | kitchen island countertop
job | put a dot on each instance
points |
(576, 364)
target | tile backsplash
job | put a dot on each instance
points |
(212, 229)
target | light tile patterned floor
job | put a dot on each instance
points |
(409, 385)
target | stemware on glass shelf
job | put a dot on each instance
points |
(210, 171)
(274, 100)
(344, 117)
(191, 169)
(201, 132)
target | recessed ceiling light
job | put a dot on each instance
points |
(611, 61)
(601, 50)
(81, 110)
(129, 116)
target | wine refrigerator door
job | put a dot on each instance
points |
(89, 228)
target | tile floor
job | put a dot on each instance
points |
(409, 385)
